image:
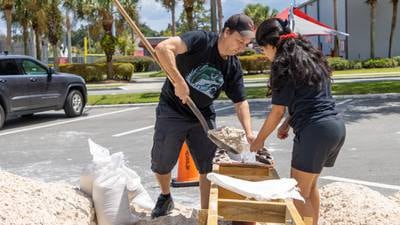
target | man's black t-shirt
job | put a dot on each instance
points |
(206, 74)
(306, 103)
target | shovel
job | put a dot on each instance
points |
(189, 101)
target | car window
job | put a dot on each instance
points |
(8, 67)
(33, 68)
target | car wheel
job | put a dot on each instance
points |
(2, 116)
(74, 104)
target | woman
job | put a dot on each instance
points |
(300, 81)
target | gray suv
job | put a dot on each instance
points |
(28, 86)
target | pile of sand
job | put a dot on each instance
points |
(350, 204)
(25, 201)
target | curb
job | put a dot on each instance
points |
(381, 96)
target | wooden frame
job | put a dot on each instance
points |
(227, 205)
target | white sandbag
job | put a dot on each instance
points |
(136, 192)
(101, 158)
(110, 194)
(284, 188)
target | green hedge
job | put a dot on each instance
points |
(337, 63)
(254, 63)
(98, 71)
(141, 63)
(380, 63)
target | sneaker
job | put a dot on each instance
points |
(163, 206)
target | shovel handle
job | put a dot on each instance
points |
(150, 48)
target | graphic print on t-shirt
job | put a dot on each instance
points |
(206, 79)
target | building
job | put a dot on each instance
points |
(354, 18)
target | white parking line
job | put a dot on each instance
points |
(344, 102)
(133, 131)
(149, 127)
(66, 122)
(372, 184)
(224, 108)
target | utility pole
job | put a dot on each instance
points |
(213, 9)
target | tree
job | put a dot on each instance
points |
(147, 31)
(189, 7)
(54, 28)
(372, 4)
(170, 5)
(7, 7)
(39, 22)
(220, 15)
(395, 4)
(102, 10)
(258, 12)
(200, 19)
(22, 18)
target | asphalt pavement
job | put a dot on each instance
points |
(50, 147)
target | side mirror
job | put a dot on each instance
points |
(51, 71)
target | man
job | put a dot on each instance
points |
(201, 64)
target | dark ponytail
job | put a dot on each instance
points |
(296, 60)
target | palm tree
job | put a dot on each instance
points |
(39, 22)
(54, 27)
(372, 4)
(70, 6)
(103, 10)
(258, 12)
(220, 15)
(188, 6)
(22, 17)
(7, 7)
(393, 27)
(170, 5)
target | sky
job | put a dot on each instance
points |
(157, 18)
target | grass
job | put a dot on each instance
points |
(364, 72)
(254, 92)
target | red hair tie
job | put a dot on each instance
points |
(287, 36)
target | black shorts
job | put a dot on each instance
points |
(318, 145)
(171, 130)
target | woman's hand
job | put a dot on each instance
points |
(257, 145)
(250, 138)
(283, 131)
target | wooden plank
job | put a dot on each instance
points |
(292, 214)
(212, 218)
(202, 217)
(252, 211)
(246, 173)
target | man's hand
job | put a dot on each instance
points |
(283, 131)
(256, 145)
(182, 91)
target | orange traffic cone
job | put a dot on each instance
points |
(188, 175)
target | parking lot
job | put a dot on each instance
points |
(50, 147)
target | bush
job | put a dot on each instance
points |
(380, 63)
(123, 71)
(338, 63)
(98, 71)
(254, 63)
(397, 59)
(89, 72)
(248, 52)
(140, 63)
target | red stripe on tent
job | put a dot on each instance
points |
(284, 15)
(299, 13)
